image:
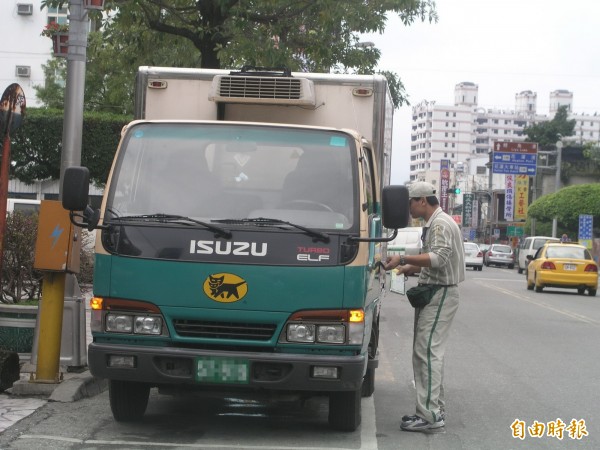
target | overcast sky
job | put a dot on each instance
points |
(503, 46)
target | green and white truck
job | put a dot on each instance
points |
(240, 237)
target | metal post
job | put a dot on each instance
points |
(54, 284)
(559, 146)
(491, 195)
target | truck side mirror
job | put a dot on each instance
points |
(395, 207)
(75, 188)
(75, 193)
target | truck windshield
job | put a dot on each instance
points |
(223, 171)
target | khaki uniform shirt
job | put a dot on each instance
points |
(444, 243)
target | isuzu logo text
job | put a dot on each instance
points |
(228, 248)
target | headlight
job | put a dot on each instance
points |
(148, 325)
(299, 332)
(119, 323)
(331, 334)
(328, 326)
(125, 323)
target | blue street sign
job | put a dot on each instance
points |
(586, 223)
(510, 163)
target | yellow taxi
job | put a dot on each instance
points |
(565, 265)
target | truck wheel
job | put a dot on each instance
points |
(344, 410)
(128, 400)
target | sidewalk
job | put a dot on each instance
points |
(26, 397)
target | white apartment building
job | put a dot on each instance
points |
(464, 134)
(23, 50)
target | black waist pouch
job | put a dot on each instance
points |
(420, 296)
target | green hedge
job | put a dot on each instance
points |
(37, 144)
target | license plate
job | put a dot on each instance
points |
(222, 370)
(569, 267)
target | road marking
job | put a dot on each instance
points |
(564, 312)
(368, 437)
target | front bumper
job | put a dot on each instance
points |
(161, 366)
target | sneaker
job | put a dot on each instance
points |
(408, 418)
(420, 424)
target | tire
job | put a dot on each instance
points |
(511, 266)
(368, 384)
(592, 292)
(480, 268)
(344, 410)
(581, 291)
(538, 288)
(128, 400)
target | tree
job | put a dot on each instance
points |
(548, 133)
(566, 205)
(302, 35)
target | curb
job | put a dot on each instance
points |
(73, 388)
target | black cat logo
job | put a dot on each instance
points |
(225, 287)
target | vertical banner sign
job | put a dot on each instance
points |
(586, 224)
(444, 183)
(509, 190)
(467, 217)
(521, 197)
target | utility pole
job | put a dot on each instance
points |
(53, 295)
(559, 146)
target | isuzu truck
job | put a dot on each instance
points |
(240, 237)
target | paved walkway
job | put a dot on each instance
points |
(14, 408)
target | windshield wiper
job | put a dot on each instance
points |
(171, 218)
(260, 221)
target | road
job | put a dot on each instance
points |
(514, 357)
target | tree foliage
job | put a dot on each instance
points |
(566, 205)
(20, 281)
(302, 35)
(548, 133)
(37, 144)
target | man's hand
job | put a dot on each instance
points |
(392, 262)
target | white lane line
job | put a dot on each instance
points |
(564, 312)
(173, 444)
(368, 430)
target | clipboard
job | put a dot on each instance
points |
(398, 285)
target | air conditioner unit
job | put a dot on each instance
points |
(23, 71)
(25, 9)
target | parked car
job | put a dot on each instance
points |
(500, 255)
(407, 242)
(473, 256)
(528, 247)
(560, 265)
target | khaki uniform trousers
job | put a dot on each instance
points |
(431, 332)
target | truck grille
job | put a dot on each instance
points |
(260, 87)
(224, 330)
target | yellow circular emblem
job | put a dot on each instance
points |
(225, 287)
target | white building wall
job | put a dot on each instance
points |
(22, 45)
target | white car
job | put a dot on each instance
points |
(473, 256)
